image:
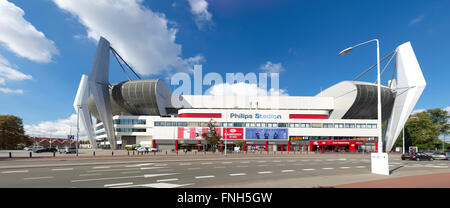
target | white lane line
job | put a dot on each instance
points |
(131, 172)
(262, 161)
(280, 165)
(62, 169)
(101, 167)
(309, 169)
(276, 161)
(91, 174)
(360, 166)
(245, 162)
(194, 168)
(155, 185)
(207, 163)
(150, 168)
(118, 184)
(220, 167)
(287, 171)
(37, 178)
(264, 172)
(114, 178)
(139, 165)
(292, 160)
(238, 174)
(169, 179)
(435, 166)
(110, 170)
(15, 171)
(262, 165)
(227, 162)
(185, 164)
(327, 168)
(208, 176)
(242, 166)
(344, 167)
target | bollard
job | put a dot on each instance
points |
(112, 153)
(54, 154)
(10, 154)
(31, 155)
(128, 152)
(166, 152)
(93, 153)
(133, 152)
(154, 153)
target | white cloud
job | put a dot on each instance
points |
(416, 20)
(21, 37)
(142, 37)
(243, 89)
(59, 128)
(270, 67)
(202, 17)
(7, 72)
(11, 91)
(418, 111)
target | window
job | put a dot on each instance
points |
(305, 125)
(130, 130)
(292, 125)
(238, 124)
(283, 125)
(170, 123)
(350, 126)
(160, 123)
(360, 126)
(327, 125)
(371, 126)
(339, 125)
(130, 121)
(297, 125)
(182, 124)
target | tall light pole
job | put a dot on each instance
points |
(380, 139)
(379, 161)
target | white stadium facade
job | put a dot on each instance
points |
(340, 118)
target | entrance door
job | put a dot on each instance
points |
(281, 147)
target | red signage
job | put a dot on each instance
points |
(233, 133)
(336, 142)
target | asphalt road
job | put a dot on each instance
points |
(299, 171)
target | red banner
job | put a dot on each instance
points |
(233, 133)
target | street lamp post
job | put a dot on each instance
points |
(379, 118)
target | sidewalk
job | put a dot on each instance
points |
(439, 180)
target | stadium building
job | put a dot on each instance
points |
(340, 118)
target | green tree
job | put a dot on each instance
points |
(12, 133)
(212, 137)
(423, 129)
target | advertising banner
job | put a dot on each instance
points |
(191, 132)
(264, 133)
(233, 133)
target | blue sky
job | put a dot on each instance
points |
(302, 38)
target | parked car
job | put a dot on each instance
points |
(440, 156)
(146, 149)
(68, 150)
(34, 148)
(46, 150)
(420, 156)
(407, 155)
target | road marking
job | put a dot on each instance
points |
(220, 167)
(15, 171)
(37, 178)
(276, 161)
(139, 165)
(114, 178)
(118, 184)
(227, 162)
(110, 170)
(185, 164)
(280, 165)
(261, 161)
(207, 163)
(238, 174)
(194, 168)
(155, 185)
(265, 172)
(208, 176)
(360, 166)
(245, 162)
(101, 167)
(292, 160)
(309, 169)
(169, 179)
(131, 172)
(327, 168)
(242, 166)
(344, 167)
(62, 169)
(150, 168)
(91, 174)
(287, 171)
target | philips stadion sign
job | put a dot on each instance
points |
(255, 116)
